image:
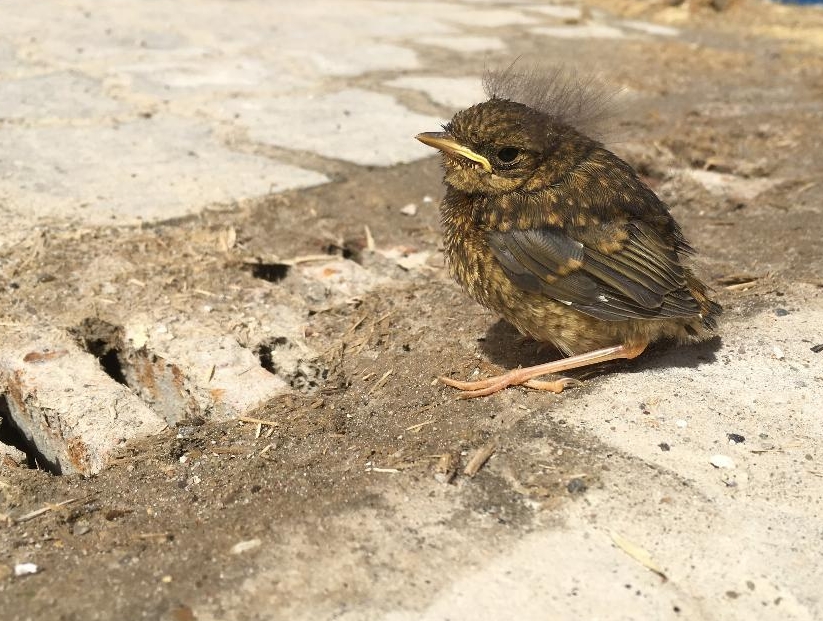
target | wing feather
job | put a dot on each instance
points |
(642, 279)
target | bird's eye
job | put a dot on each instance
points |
(508, 154)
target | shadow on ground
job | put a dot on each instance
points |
(504, 346)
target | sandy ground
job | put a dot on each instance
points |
(351, 501)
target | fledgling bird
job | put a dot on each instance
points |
(558, 235)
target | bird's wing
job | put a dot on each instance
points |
(643, 278)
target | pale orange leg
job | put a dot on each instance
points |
(525, 377)
(556, 386)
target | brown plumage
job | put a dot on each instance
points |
(558, 235)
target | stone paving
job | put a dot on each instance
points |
(111, 122)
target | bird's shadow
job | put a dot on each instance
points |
(507, 348)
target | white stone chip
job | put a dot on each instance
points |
(245, 546)
(725, 184)
(722, 461)
(25, 569)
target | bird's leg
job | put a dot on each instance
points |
(516, 377)
(555, 386)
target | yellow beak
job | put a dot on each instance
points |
(444, 142)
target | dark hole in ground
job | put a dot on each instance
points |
(12, 435)
(351, 250)
(264, 352)
(162, 386)
(111, 365)
(303, 374)
(271, 272)
(103, 340)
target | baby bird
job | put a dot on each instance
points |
(558, 235)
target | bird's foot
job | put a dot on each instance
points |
(526, 377)
(483, 388)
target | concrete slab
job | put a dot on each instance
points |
(8, 60)
(180, 81)
(650, 28)
(455, 93)
(464, 44)
(123, 173)
(54, 97)
(352, 61)
(561, 12)
(185, 371)
(478, 18)
(13, 453)
(62, 401)
(354, 125)
(583, 31)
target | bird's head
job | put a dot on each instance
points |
(501, 146)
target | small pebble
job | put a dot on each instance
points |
(428, 199)
(185, 431)
(245, 546)
(735, 438)
(778, 353)
(781, 312)
(576, 486)
(409, 210)
(721, 461)
(80, 528)
(817, 348)
(681, 423)
(25, 569)
(664, 446)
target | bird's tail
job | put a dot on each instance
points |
(709, 309)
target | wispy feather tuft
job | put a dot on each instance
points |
(581, 102)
